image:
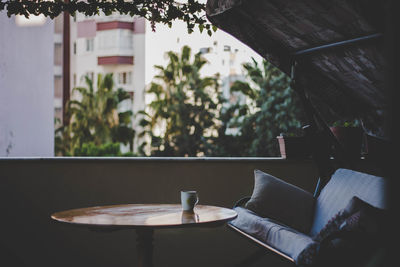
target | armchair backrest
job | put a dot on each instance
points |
(343, 185)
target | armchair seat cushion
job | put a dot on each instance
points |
(275, 234)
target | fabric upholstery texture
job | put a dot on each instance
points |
(277, 213)
(343, 185)
(348, 238)
(279, 236)
(281, 201)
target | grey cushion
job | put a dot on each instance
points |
(281, 237)
(281, 201)
(343, 185)
(348, 239)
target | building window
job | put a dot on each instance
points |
(205, 50)
(89, 45)
(126, 39)
(74, 48)
(115, 39)
(107, 39)
(125, 77)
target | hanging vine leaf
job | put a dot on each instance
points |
(156, 11)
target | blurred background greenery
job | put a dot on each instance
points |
(188, 115)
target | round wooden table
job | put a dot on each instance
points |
(145, 218)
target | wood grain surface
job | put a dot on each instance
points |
(343, 83)
(146, 215)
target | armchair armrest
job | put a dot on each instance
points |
(275, 199)
(241, 201)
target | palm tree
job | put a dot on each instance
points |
(272, 108)
(94, 117)
(185, 107)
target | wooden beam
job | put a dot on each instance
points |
(337, 44)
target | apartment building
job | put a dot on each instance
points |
(110, 44)
(100, 45)
(128, 48)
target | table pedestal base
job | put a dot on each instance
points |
(145, 247)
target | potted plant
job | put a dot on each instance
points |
(292, 145)
(349, 135)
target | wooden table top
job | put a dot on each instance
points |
(145, 215)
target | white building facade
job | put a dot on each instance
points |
(26, 87)
(110, 44)
(128, 48)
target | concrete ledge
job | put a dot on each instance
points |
(152, 158)
(156, 159)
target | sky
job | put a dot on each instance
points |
(173, 39)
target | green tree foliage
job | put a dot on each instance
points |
(189, 117)
(271, 108)
(95, 120)
(192, 12)
(183, 117)
(104, 150)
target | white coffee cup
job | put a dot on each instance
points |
(189, 199)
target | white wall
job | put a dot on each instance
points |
(26, 88)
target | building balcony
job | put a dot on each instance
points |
(34, 188)
(115, 60)
(116, 50)
(115, 46)
(115, 24)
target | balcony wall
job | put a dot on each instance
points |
(32, 189)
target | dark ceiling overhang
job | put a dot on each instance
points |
(343, 83)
